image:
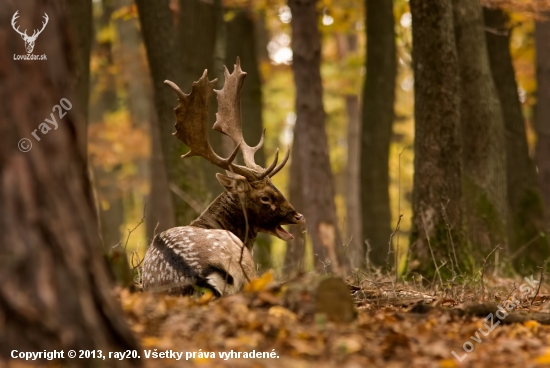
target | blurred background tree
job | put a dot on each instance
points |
(437, 193)
(376, 131)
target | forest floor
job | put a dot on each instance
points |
(391, 325)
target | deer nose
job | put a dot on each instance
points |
(299, 217)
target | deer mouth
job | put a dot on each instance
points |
(283, 234)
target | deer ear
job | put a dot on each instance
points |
(236, 184)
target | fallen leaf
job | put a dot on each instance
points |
(260, 283)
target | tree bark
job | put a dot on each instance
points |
(377, 120)
(437, 168)
(241, 42)
(160, 209)
(524, 199)
(482, 129)
(202, 35)
(353, 192)
(127, 53)
(165, 55)
(82, 26)
(159, 213)
(542, 115)
(317, 181)
(55, 291)
(295, 249)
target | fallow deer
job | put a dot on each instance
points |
(214, 251)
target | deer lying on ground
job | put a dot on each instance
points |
(214, 251)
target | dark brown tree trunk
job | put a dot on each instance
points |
(202, 39)
(377, 121)
(437, 168)
(353, 191)
(55, 291)
(197, 31)
(524, 199)
(165, 63)
(542, 115)
(483, 144)
(317, 181)
(160, 210)
(159, 213)
(346, 46)
(81, 24)
(241, 42)
(127, 54)
(295, 249)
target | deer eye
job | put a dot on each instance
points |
(265, 199)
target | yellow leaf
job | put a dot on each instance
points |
(447, 363)
(205, 298)
(532, 325)
(150, 341)
(543, 359)
(105, 205)
(281, 312)
(260, 283)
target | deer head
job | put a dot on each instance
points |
(248, 188)
(29, 40)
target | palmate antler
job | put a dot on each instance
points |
(192, 117)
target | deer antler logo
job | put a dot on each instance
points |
(29, 40)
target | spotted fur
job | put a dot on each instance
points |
(184, 257)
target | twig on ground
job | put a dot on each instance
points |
(540, 281)
(511, 291)
(409, 254)
(390, 250)
(431, 251)
(325, 265)
(398, 211)
(449, 235)
(483, 270)
(134, 229)
(368, 254)
(155, 229)
(437, 271)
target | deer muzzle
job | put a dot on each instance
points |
(293, 219)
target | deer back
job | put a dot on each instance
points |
(182, 257)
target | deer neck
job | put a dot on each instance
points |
(226, 212)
